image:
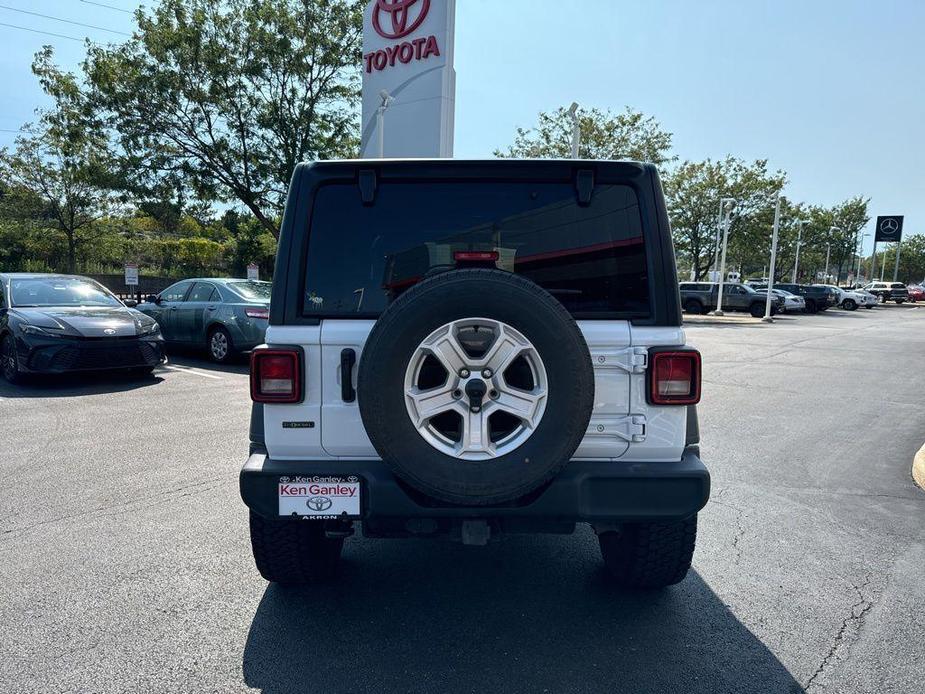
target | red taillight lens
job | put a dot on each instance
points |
(475, 256)
(675, 378)
(276, 375)
(257, 313)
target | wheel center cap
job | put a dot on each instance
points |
(475, 391)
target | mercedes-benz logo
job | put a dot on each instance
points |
(889, 226)
(319, 503)
(399, 11)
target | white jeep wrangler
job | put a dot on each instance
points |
(468, 348)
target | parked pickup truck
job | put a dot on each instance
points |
(818, 298)
(699, 297)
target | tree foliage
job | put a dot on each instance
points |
(58, 168)
(226, 98)
(604, 135)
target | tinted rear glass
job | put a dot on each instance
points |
(592, 258)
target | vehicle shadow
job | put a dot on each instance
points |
(526, 614)
(77, 384)
(197, 359)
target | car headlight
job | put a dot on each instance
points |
(43, 332)
(149, 329)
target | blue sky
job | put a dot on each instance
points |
(831, 91)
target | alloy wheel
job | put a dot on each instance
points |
(475, 389)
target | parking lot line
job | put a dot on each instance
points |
(191, 371)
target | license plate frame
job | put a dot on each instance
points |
(320, 497)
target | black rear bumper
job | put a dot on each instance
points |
(592, 492)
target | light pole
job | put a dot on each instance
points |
(387, 100)
(576, 129)
(828, 249)
(723, 202)
(767, 303)
(727, 203)
(857, 277)
(796, 262)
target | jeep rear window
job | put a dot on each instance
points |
(592, 258)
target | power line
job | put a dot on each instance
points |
(111, 7)
(66, 21)
(38, 31)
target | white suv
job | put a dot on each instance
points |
(463, 349)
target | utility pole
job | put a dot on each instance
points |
(896, 267)
(576, 129)
(719, 230)
(796, 262)
(767, 304)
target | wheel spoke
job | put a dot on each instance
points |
(476, 436)
(505, 349)
(429, 403)
(519, 403)
(446, 348)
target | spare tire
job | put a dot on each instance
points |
(475, 386)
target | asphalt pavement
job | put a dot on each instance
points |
(125, 564)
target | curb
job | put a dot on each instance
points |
(918, 468)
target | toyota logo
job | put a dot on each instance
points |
(399, 12)
(889, 226)
(109, 331)
(319, 503)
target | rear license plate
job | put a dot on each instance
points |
(323, 497)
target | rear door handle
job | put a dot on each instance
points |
(210, 308)
(348, 358)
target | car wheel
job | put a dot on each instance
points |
(757, 310)
(9, 361)
(220, 347)
(293, 551)
(850, 304)
(469, 397)
(693, 307)
(900, 301)
(141, 371)
(811, 306)
(649, 555)
(869, 306)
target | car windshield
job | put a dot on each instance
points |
(59, 291)
(252, 290)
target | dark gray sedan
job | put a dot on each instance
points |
(226, 316)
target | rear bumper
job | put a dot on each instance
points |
(592, 492)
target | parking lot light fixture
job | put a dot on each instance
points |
(796, 262)
(857, 277)
(387, 100)
(828, 252)
(576, 129)
(767, 303)
(726, 205)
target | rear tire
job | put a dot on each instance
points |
(293, 551)
(850, 305)
(811, 306)
(649, 555)
(693, 307)
(757, 310)
(9, 361)
(900, 301)
(219, 345)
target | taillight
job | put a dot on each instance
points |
(276, 375)
(257, 313)
(674, 378)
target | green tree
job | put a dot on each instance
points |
(60, 161)
(228, 97)
(693, 191)
(911, 260)
(604, 135)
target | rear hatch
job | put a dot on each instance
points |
(592, 255)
